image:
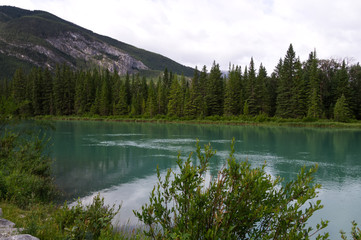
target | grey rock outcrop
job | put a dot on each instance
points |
(20, 237)
(95, 52)
(8, 231)
(73, 48)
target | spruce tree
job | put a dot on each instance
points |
(105, 99)
(20, 91)
(286, 84)
(90, 86)
(203, 83)
(36, 82)
(251, 91)
(341, 110)
(194, 101)
(315, 106)
(244, 93)
(152, 108)
(137, 96)
(214, 94)
(233, 92)
(184, 85)
(80, 98)
(314, 110)
(300, 93)
(355, 86)
(128, 89)
(96, 104)
(161, 97)
(175, 103)
(48, 92)
(261, 94)
(120, 106)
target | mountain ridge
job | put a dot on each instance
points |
(41, 39)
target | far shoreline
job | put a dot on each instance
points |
(234, 121)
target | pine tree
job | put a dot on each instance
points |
(35, 80)
(233, 92)
(80, 97)
(137, 106)
(152, 108)
(58, 91)
(184, 85)
(251, 90)
(214, 95)
(244, 93)
(315, 105)
(286, 84)
(161, 97)
(20, 91)
(314, 110)
(48, 92)
(342, 81)
(261, 94)
(105, 98)
(341, 110)
(128, 89)
(69, 87)
(96, 104)
(300, 94)
(120, 106)
(355, 86)
(203, 83)
(175, 103)
(194, 101)
(64, 90)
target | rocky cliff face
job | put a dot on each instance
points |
(73, 48)
(95, 53)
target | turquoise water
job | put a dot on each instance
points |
(119, 160)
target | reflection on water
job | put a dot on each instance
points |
(120, 159)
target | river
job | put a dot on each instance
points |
(119, 161)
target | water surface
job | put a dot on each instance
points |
(119, 160)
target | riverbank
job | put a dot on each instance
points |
(49, 221)
(259, 120)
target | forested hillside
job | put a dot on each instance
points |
(311, 89)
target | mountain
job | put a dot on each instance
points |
(38, 38)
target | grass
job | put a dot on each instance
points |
(218, 120)
(40, 220)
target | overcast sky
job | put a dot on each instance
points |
(196, 32)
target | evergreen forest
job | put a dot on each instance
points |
(313, 89)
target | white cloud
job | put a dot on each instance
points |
(198, 32)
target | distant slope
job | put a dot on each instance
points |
(37, 38)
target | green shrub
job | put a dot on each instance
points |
(47, 221)
(240, 203)
(262, 117)
(26, 170)
(86, 222)
(309, 119)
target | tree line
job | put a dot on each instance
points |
(311, 89)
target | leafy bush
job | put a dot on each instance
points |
(25, 170)
(240, 203)
(262, 117)
(309, 119)
(86, 222)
